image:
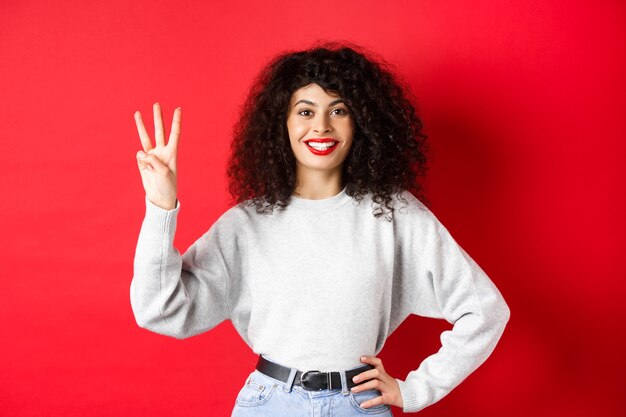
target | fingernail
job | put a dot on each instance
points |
(363, 358)
(141, 154)
(355, 379)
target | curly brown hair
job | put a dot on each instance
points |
(389, 150)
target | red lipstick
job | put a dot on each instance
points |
(321, 146)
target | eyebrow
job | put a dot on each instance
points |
(310, 103)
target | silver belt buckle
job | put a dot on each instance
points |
(303, 380)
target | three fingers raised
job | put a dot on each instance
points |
(159, 133)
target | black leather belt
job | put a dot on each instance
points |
(309, 380)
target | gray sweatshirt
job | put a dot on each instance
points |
(321, 284)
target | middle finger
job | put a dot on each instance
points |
(159, 134)
(364, 376)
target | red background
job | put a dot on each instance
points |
(524, 103)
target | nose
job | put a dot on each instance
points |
(322, 124)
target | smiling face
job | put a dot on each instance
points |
(320, 129)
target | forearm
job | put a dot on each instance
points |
(463, 349)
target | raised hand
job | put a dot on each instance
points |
(157, 165)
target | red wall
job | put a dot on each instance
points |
(524, 103)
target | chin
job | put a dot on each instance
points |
(323, 166)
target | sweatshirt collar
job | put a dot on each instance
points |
(321, 204)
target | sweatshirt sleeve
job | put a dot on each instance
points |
(174, 295)
(455, 288)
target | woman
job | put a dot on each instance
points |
(327, 250)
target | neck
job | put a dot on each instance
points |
(316, 185)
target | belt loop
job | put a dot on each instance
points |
(292, 377)
(344, 383)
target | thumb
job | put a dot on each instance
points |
(150, 161)
(141, 162)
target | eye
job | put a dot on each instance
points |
(339, 111)
(305, 112)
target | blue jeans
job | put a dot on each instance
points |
(262, 395)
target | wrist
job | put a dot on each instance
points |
(167, 205)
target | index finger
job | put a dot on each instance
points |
(175, 132)
(143, 133)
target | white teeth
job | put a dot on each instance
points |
(321, 146)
